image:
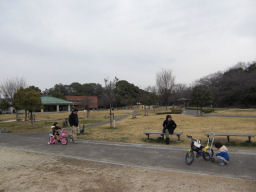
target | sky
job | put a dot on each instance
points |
(64, 41)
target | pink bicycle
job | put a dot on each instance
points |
(63, 138)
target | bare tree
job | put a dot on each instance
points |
(165, 83)
(9, 87)
(151, 89)
(179, 91)
(109, 95)
(87, 106)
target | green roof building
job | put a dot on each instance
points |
(53, 104)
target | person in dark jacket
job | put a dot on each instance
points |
(168, 127)
(73, 122)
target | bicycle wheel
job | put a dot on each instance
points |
(51, 140)
(189, 158)
(206, 156)
(71, 139)
(64, 141)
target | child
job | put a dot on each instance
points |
(222, 155)
(55, 129)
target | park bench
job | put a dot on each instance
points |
(231, 134)
(162, 134)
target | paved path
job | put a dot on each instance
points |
(162, 157)
(196, 113)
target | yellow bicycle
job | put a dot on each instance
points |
(201, 151)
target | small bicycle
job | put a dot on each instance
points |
(63, 138)
(201, 151)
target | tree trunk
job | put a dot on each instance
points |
(17, 116)
(145, 111)
(26, 115)
(111, 117)
(88, 113)
(31, 118)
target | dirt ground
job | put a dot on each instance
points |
(30, 172)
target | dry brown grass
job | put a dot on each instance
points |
(6, 117)
(132, 130)
(45, 120)
(235, 111)
(100, 114)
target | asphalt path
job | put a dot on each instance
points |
(157, 157)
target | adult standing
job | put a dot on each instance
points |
(73, 122)
(168, 127)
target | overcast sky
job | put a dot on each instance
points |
(64, 41)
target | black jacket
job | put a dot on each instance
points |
(55, 130)
(170, 125)
(73, 120)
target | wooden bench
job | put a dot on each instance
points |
(162, 134)
(231, 134)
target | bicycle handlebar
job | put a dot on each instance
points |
(190, 137)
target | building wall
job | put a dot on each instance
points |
(50, 108)
(81, 102)
(55, 108)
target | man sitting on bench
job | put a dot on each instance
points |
(168, 128)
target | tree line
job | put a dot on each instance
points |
(123, 93)
(235, 87)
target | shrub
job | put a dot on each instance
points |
(192, 108)
(204, 110)
(207, 110)
(173, 111)
(164, 113)
(176, 111)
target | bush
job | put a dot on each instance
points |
(192, 108)
(173, 111)
(164, 113)
(207, 110)
(176, 111)
(204, 110)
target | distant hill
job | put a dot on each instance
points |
(235, 87)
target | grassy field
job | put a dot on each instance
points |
(132, 130)
(100, 114)
(45, 120)
(235, 111)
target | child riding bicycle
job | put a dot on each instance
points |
(55, 129)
